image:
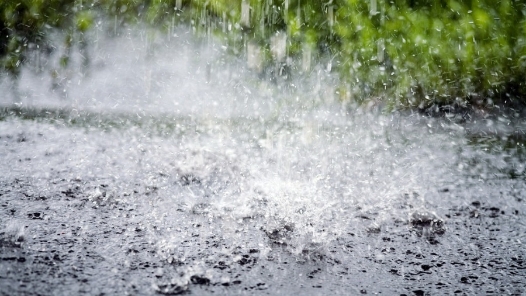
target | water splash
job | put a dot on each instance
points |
(204, 168)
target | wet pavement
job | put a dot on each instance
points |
(98, 203)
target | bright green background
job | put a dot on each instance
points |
(405, 52)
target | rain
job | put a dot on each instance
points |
(262, 147)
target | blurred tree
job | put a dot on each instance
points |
(408, 52)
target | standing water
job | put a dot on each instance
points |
(169, 168)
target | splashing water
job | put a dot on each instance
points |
(189, 161)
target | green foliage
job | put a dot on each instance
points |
(410, 52)
(433, 51)
(25, 25)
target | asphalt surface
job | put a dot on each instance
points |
(114, 204)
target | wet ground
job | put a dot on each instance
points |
(98, 203)
(178, 171)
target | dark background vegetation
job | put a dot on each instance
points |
(406, 53)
